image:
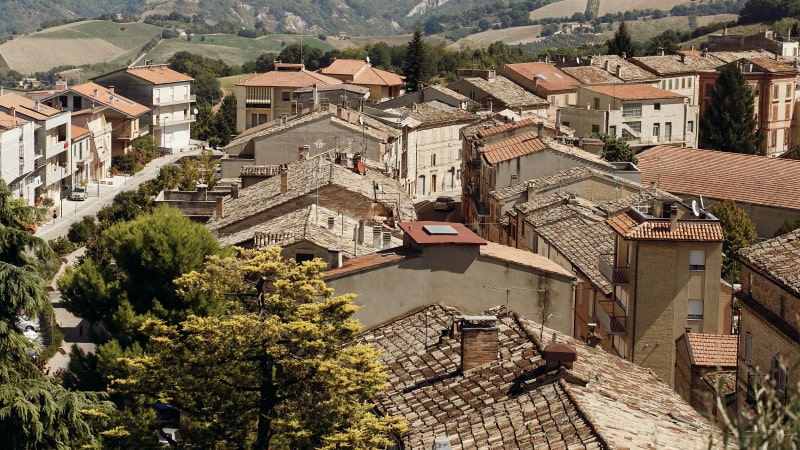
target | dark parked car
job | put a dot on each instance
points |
(444, 203)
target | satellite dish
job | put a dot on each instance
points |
(195, 111)
(695, 209)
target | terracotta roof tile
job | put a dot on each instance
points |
(742, 178)
(631, 225)
(523, 258)
(712, 350)
(778, 257)
(103, 95)
(343, 67)
(158, 74)
(591, 75)
(675, 64)
(28, 107)
(513, 402)
(420, 233)
(633, 92)
(549, 76)
(78, 132)
(288, 79)
(508, 92)
(504, 127)
(628, 71)
(512, 147)
(772, 66)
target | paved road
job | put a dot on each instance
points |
(100, 195)
(425, 210)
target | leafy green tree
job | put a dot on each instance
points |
(729, 122)
(622, 42)
(414, 61)
(224, 122)
(615, 148)
(281, 371)
(84, 230)
(737, 230)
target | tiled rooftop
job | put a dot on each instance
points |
(631, 225)
(103, 95)
(628, 70)
(728, 57)
(778, 257)
(449, 92)
(288, 79)
(633, 92)
(158, 74)
(513, 402)
(591, 75)
(512, 147)
(28, 107)
(420, 233)
(434, 113)
(523, 258)
(742, 178)
(549, 77)
(713, 350)
(310, 224)
(508, 92)
(304, 177)
(772, 66)
(77, 131)
(677, 64)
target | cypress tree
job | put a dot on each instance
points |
(622, 42)
(729, 123)
(412, 63)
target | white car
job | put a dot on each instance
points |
(78, 193)
(444, 203)
(168, 436)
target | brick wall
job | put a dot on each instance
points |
(772, 296)
(478, 344)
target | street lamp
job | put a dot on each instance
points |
(61, 187)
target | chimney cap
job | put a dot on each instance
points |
(560, 352)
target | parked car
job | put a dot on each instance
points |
(25, 324)
(444, 203)
(78, 194)
(168, 436)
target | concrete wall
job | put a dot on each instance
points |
(455, 276)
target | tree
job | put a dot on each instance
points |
(737, 230)
(34, 412)
(729, 123)
(224, 122)
(615, 148)
(413, 61)
(622, 43)
(283, 370)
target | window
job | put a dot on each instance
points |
(433, 159)
(773, 138)
(612, 130)
(748, 347)
(596, 103)
(690, 126)
(657, 106)
(708, 89)
(690, 82)
(656, 130)
(683, 83)
(777, 374)
(774, 111)
(631, 109)
(695, 310)
(670, 83)
(300, 257)
(697, 260)
(595, 128)
(286, 96)
(620, 346)
(776, 91)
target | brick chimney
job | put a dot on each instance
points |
(218, 209)
(479, 342)
(235, 191)
(334, 258)
(673, 218)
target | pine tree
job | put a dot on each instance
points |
(413, 61)
(737, 230)
(729, 123)
(282, 370)
(622, 43)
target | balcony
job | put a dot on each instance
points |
(612, 317)
(616, 275)
(174, 100)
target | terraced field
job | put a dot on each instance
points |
(566, 8)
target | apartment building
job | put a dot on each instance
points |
(268, 96)
(640, 114)
(496, 93)
(17, 157)
(53, 169)
(382, 85)
(167, 95)
(546, 81)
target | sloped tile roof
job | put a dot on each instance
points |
(757, 180)
(772, 66)
(549, 76)
(591, 75)
(513, 402)
(288, 79)
(304, 177)
(311, 225)
(628, 70)
(512, 147)
(158, 74)
(343, 67)
(633, 92)
(630, 225)
(778, 257)
(449, 92)
(418, 232)
(508, 92)
(27, 107)
(523, 258)
(77, 132)
(377, 77)
(504, 127)
(728, 57)
(675, 64)
(433, 113)
(103, 95)
(712, 350)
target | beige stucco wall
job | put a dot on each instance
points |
(457, 276)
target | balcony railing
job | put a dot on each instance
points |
(174, 100)
(616, 275)
(612, 317)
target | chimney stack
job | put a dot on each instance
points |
(284, 181)
(334, 258)
(330, 223)
(376, 237)
(235, 191)
(559, 354)
(218, 209)
(673, 218)
(479, 341)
